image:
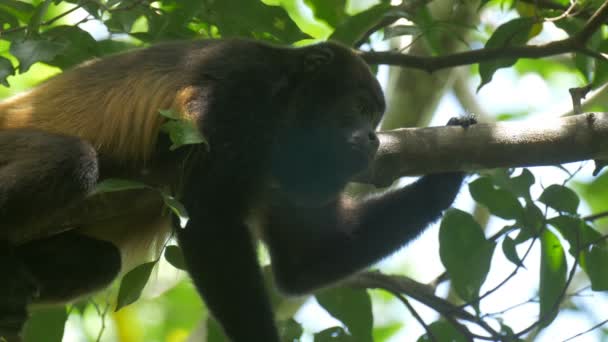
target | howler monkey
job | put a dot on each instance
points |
(286, 128)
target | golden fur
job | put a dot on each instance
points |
(113, 104)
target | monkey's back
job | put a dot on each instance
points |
(112, 102)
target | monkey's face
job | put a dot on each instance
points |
(330, 136)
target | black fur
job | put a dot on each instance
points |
(287, 130)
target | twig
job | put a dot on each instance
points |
(586, 331)
(415, 315)
(594, 217)
(575, 43)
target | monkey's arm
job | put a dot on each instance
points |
(222, 261)
(311, 248)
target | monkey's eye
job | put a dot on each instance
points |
(317, 57)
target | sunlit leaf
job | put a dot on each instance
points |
(552, 276)
(332, 12)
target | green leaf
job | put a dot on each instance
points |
(183, 133)
(175, 257)
(600, 74)
(384, 332)
(6, 70)
(459, 232)
(29, 52)
(444, 331)
(352, 30)
(133, 284)
(177, 208)
(499, 202)
(575, 231)
(79, 45)
(117, 184)
(253, 19)
(513, 33)
(332, 12)
(520, 185)
(552, 276)
(8, 20)
(122, 21)
(560, 198)
(19, 9)
(214, 331)
(34, 22)
(290, 330)
(596, 260)
(532, 220)
(169, 114)
(334, 334)
(353, 307)
(46, 324)
(508, 248)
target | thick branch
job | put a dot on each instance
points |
(415, 151)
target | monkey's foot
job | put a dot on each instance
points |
(462, 121)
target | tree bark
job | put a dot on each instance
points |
(416, 151)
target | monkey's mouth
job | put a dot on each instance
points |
(363, 153)
(358, 158)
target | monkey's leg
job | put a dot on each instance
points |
(62, 267)
(17, 288)
(40, 173)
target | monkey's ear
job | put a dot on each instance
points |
(316, 57)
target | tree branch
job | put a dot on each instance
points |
(575, 43)
(416, 151)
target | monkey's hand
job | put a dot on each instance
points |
(17, 289)
(462, 121)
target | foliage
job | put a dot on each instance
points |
(40, 37)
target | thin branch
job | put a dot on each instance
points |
(594, 217)
(593, 24)
(504, 281)
(586, 331)
(415, 315)
(434, 63)
(423, 294)
(575, 43)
